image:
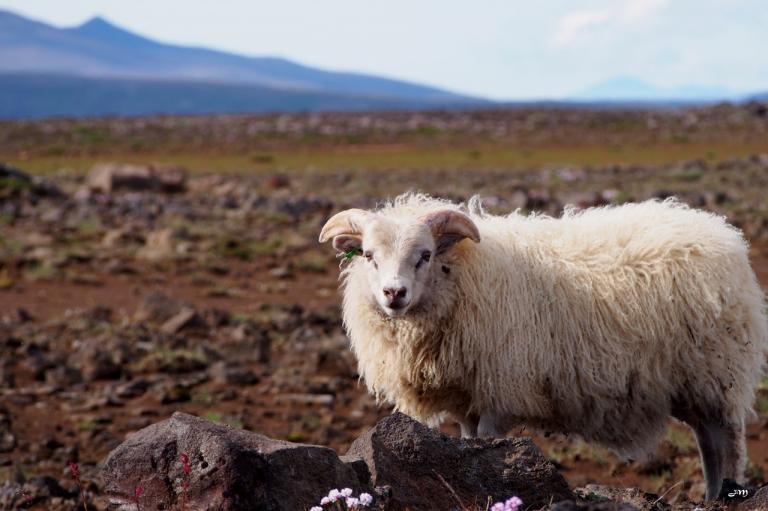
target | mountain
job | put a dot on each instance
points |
(102, 57)
(628, 88)
(35, 96)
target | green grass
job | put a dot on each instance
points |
(170, 360)
(312, 261)
(222, 418)
(681, 440)
(407, 156)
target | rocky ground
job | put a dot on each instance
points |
(130, 292)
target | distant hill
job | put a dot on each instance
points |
(126, 63)
(627, 88)
(30, 96)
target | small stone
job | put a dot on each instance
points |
(95, 362)
(232, 373)
(185, 318)
(157, 307)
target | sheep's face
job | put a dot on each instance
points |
(398, 255)
(398, 260)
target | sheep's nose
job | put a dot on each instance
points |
(395, 296)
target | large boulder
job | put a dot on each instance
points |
(111, 177)
(425, 469)
(404, 463)
(229, 469)
(14, 183)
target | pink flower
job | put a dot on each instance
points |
(316, 508)
(512, 504)
(74, 469)
(325, 501)
(346, 492)
(366, 499)
(185, 462)
(352, 502)
(334, 495)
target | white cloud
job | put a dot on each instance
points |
(575, 24)
(635, 11)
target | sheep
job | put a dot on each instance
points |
(602, 323)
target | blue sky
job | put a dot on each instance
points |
(503, 49)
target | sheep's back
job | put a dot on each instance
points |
(615, 313)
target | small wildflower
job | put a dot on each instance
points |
(185, 483)
(366, 499)
(334, 495)
(76, 476)
(352, 502)
(137, 497)
(325, 501)
(511, 504)
(315, 508)
(185, 462)
(346, 492)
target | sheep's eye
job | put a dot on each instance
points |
(368, 255)
(425, 257)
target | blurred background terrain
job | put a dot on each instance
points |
(186, 275)
(160, 206)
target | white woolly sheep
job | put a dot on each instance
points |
(603, 323)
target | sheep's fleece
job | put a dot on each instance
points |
(604, 322)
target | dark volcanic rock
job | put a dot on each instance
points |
(424, 468)
(230, 469)
(591, 506)
(7, 438)
(410, 465)
(94, 361)
(634, 496)
(757, 502)
(226, 373)
(15, 182)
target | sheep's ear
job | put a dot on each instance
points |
(348, 223)
(450, 227)
(348, 243)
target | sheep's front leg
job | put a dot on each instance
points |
(468, 424)
(490, 426)
(468, 428)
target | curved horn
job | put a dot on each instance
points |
(349, 222)
(449, 226)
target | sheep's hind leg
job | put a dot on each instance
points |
(712, 447)
(723, 453)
